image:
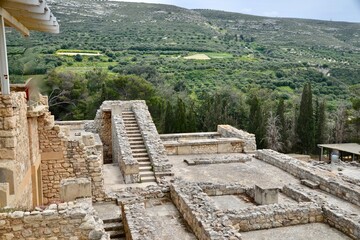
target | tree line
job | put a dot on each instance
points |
(286, 125)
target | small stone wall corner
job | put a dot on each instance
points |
(231, 132)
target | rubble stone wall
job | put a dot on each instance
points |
(122, 153)
(275, 215)
(15, 164)
(63, 156)
(153, 143)
(343, 221)
(137, 224)
(248, 138)
(199, 211)
(302, 170)
(72, 220)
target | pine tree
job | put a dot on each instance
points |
(305, 123)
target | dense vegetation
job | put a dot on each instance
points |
(253, 77)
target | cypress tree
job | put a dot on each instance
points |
(320, 129)
(180, 120)
(169, 118)
(257, 123)
(305, 123)
(280, 113)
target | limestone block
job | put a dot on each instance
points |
(4, 194)
(9, 123)
(264, 196)
(73, 188)
(7, 153)
(88, 140)
(225, 148)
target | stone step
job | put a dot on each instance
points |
(128, 132)
(129, 118)
(137, 146)
(139, 155)
(146, 174)
(143, 159)
(127, 113)
(132, 135)
(309, 184)
(112, 220)
(135, 139)
(116, 226)
(131, 125)
(132, 128)
(129, 121)
(139, 150)
(116, 234)
(145, 168)
(148, 179)
(145, 164)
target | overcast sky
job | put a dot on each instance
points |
(335, 10)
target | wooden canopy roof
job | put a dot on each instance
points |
(26, 15)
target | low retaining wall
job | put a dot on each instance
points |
(72, 220)
(239, 158)
(189, 136)
(276, 215)
(343, 221)
(137, 224)
(204, 146)
(301, 170)
(198, 210)
(228, 131)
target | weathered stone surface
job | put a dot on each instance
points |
(76, 220)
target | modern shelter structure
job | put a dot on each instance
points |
(347, 151)
(24, 16)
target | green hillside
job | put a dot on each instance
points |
(191, 54)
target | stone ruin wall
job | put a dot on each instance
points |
(334, 185)
(64, 158)
(71, 220)
(122, 153)
(153, 143)
(231, 132)
(109, 125)
(15, 164)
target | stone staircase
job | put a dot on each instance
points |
(138, 148)
(115, 228)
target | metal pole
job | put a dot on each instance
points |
(4, 70)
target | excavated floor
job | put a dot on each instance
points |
(299, 232)
(169, 223)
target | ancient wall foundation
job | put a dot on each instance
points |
(68, 152)
(228, 131)
(72, 220)
(302, 170)
(15, 155)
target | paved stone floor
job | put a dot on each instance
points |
(107, 210)
(249, 173)
(168, 221)
(113, 180)
(314, 231)
(172, 226)
(232, 202)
